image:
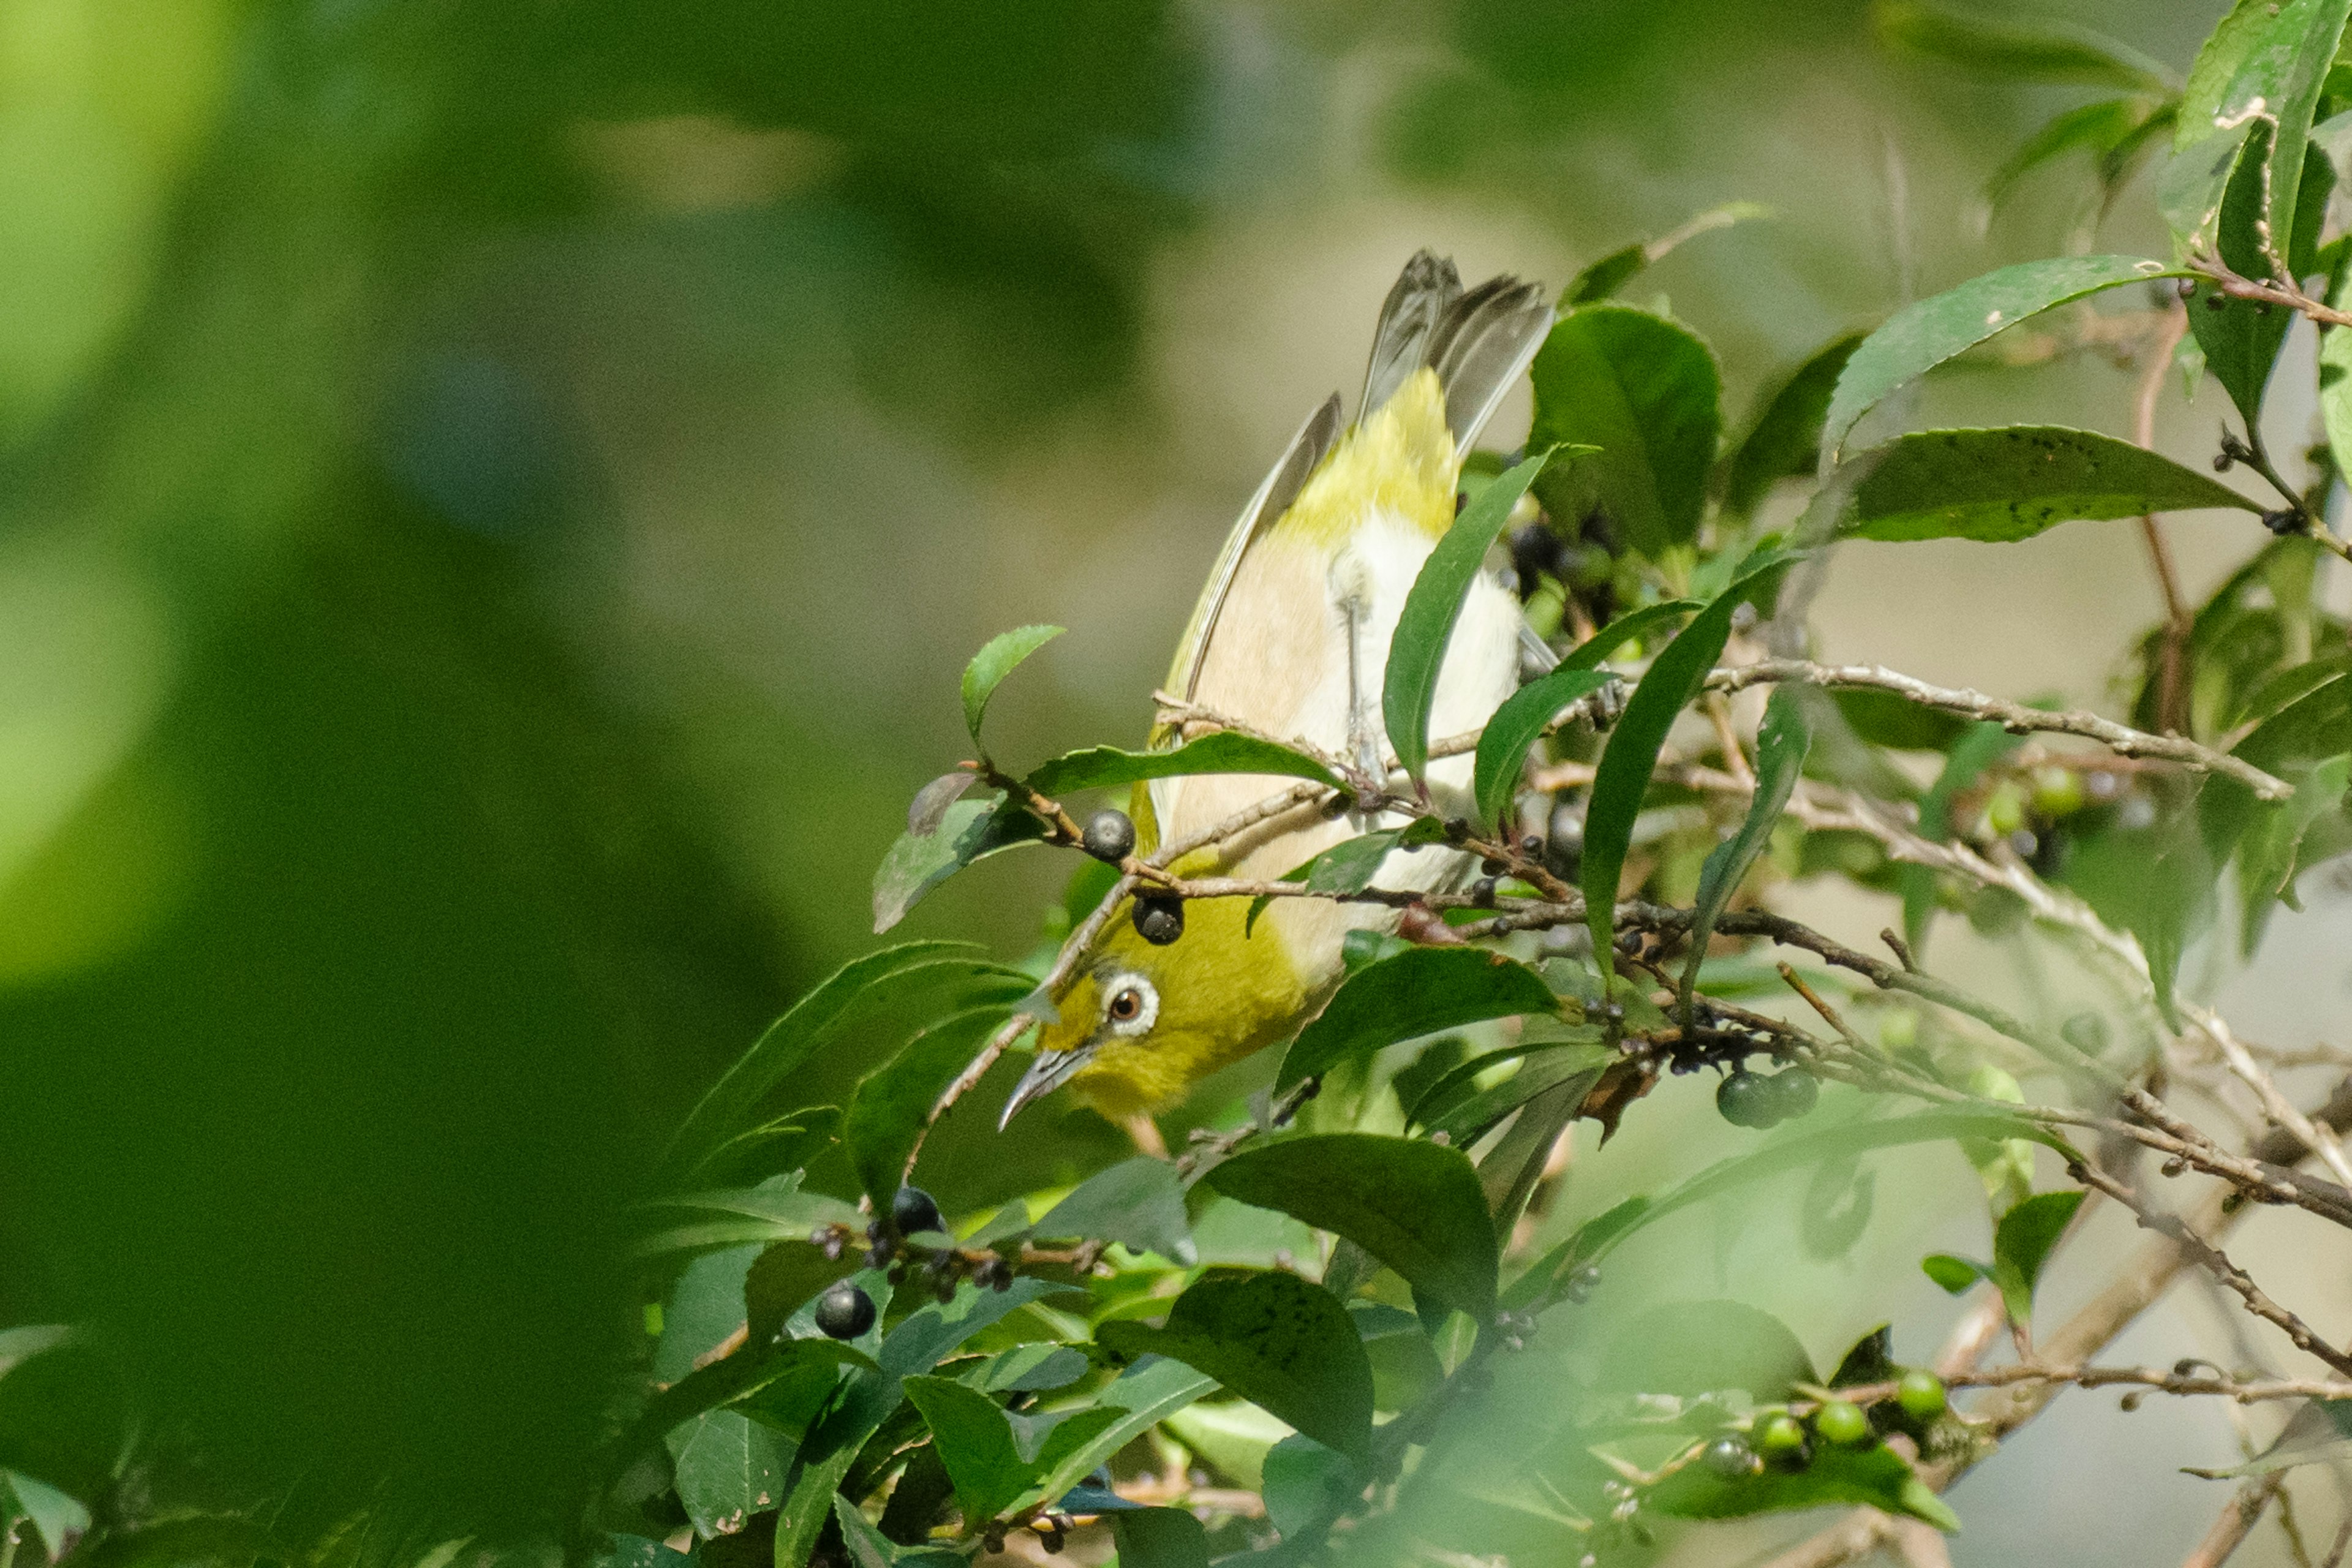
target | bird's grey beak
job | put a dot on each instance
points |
(1047, 1073)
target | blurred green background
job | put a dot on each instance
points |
(494, 497)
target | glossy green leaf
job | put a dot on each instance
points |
(1693, 1347)
(2022, 1244)
(969, 831)
(1623, 778)
(2001, 485)
(1104, 767)
(1543, 1282)
(1160, 1538)
(1417, 1206)
(775, 1210)
(849, 999)
(1138, 1202)
(2036, 51)
(1781, 744)
(993, 663)
(1282, 1343)
(1420, 991)
(1349, 866)
(1785, 440)
(1956, 1275)
(1921, 336)
(2095, 128)
(1517, 724)
(1645, 392)
(888, 1108)
(1426, 626)
(1875, 1476)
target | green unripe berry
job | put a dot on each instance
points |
(1921, 1394)
(1795, 1092)
(1899, 1029)
(1109, 835)
(2005, 811)
(845, 1311)
(1730, 1457)
(1746, 1099)
(1780, 1433)
(1840, 1422)
(2058, 792)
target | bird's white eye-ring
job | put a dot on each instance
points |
(1130, 1006)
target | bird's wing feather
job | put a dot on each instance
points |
(1416, 306)
(1484, 343)
(1290, 472)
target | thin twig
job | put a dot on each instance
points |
(2172, 666)
(2236, 1523)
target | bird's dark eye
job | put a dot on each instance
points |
(1126, 1005)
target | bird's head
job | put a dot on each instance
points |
(1141, 1022)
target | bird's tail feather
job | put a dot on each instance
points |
(1409, 318)
(1478, 342)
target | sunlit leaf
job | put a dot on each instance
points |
(968, 831)
(993, 663)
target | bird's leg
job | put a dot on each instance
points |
(1364, 748)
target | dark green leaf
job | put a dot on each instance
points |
(1038, 1367)
(1644, 391)
(1871, 1359)
(1875, 1476)
(1542, 1283)
(975, 1442)
(1956, 1275)
(848, 999)
(1781, 744)
(1690, 1347)
(869, 1548)
(1103, 767)
(969, 831)
(1636, 623)
(775, 1210)
(2038, 51)
(1455, 1105)
(1426, 626)
(1349, 866)
(1416, 1207)
(1282, 1343)
(1890, 719)
(1308, 1485)
(728, 1467)
(991, 664)
(1786, 439)
(1524, 716)
(2022, 1244)
(1675, 677)
(2241, 338)
(888, 1108)
(2001, 485)
(2094, 127)
(1160, 1538)
(1138, 1202)
(1921, 336)
(807, 1506)
(1420, 991)
(1605, 277)
(1146, 1395)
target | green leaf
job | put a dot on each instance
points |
(1636, 623)
(807, 1506)
(1692, 1348)
(848, 1000)
(728, 1467)
(1614, 270)
(1875, 1476)
(869, 1548)
(1542, 1283)
(1921, 336)
(1160, 1538)
(1890, 719)
(1645, 392)
(1455, 1105)
(2319, 1433)
(991, 664)
(1104, 767)
(2095, 127)
(2336, 376)
(1138, 1202)
(1786, 439)
(1146, 1396)
(974, 1442)
(2002, 485)
(2218, 62)
(1349, 866)
(1781, 744)
(1517, 725)
(888, 1108)
(775, 1210)
(1282, 1343)
(1675, 677)
(1308, 1485)
(2241, 338)
(60, 1521)
(2022, 1244)
(2282, 53)
(1420, 991)
(1416, 1207)
(2038, 51)
(1956, 1275)
(1426, 626)
(969, 831)
(1978, 748)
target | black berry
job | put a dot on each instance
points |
(1730, 1457)
(1748, 1100)
(845, 1311)
(1109, 835)
(912, 1210)
(1158, 920)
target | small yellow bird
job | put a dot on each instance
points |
(1290, 637)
